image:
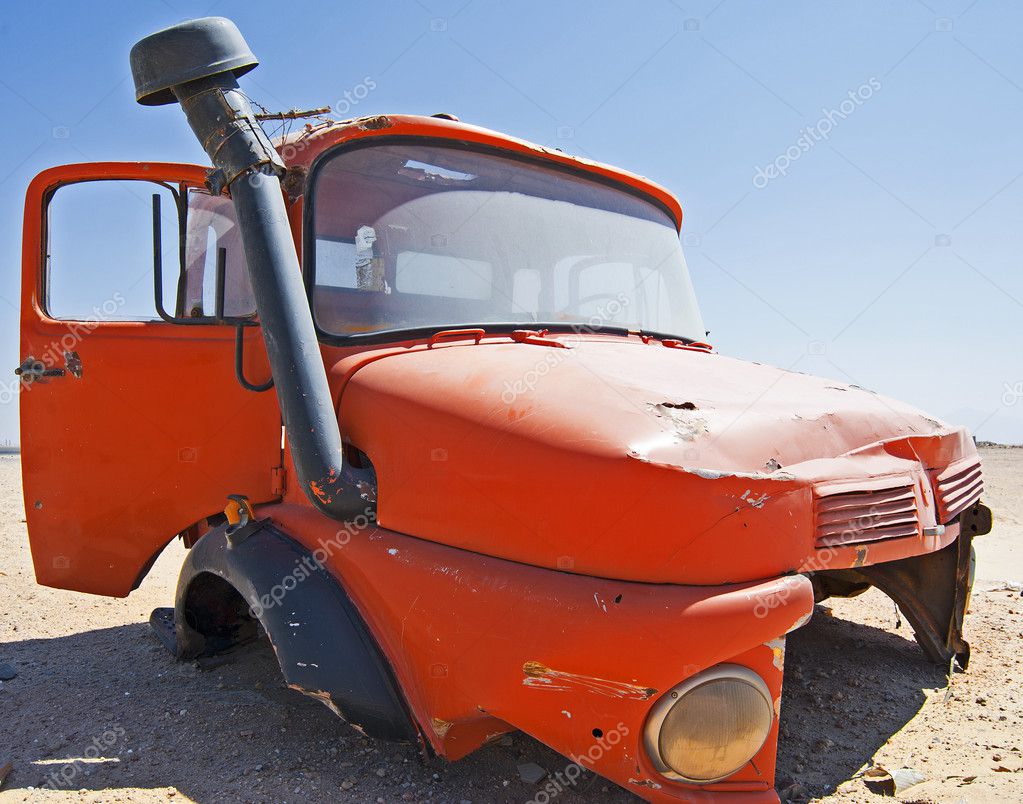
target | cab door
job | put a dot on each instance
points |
(134, 427)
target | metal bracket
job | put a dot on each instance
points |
(933, 591)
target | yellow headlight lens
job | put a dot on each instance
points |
(713, 726)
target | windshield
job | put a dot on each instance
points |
(420, 236)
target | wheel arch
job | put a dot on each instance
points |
(231, 580)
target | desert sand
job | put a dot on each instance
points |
(100, 712)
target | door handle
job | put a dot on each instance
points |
(31, 370)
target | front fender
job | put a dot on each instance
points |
(230, 580)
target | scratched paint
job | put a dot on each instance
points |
(539, 676)
(441, 727)
(322, 697)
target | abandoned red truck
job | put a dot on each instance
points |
(431, 407)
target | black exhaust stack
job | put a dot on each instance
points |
(197, 64)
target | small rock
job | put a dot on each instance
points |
(7, 672)
(906, 778)
(794, 792)
(531, 773)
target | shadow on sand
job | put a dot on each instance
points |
(116, 699)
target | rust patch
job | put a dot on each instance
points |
(294, 181)
(74, 364)
(861, 556)
(374, 123)
(541, 676)
(440, 727)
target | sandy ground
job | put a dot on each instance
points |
(102, 713)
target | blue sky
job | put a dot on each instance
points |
(872, 237)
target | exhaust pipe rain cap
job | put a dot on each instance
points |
(187, 52)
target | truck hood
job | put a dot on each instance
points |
(626, 459)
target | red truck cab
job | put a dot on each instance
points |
(433, 409)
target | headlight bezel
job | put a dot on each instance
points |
(659, 712)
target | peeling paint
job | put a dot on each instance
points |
(542, 677)
(645, 783)
(777, 647)
(801, 621)
(686, 426)
(756, 502)
(367, 491)
(714, 474)
(320, 492)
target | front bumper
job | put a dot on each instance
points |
(482, 646)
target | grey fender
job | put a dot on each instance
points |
(229, 580)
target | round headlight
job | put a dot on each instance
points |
(711, 725)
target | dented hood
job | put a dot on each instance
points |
(621, 458)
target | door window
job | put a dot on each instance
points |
(134, 251)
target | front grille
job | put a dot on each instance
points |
(958, 487)
(854, 517)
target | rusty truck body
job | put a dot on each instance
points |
(431, 406)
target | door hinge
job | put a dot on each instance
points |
(278, 481)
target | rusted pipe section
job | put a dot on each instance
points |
(197, 64)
